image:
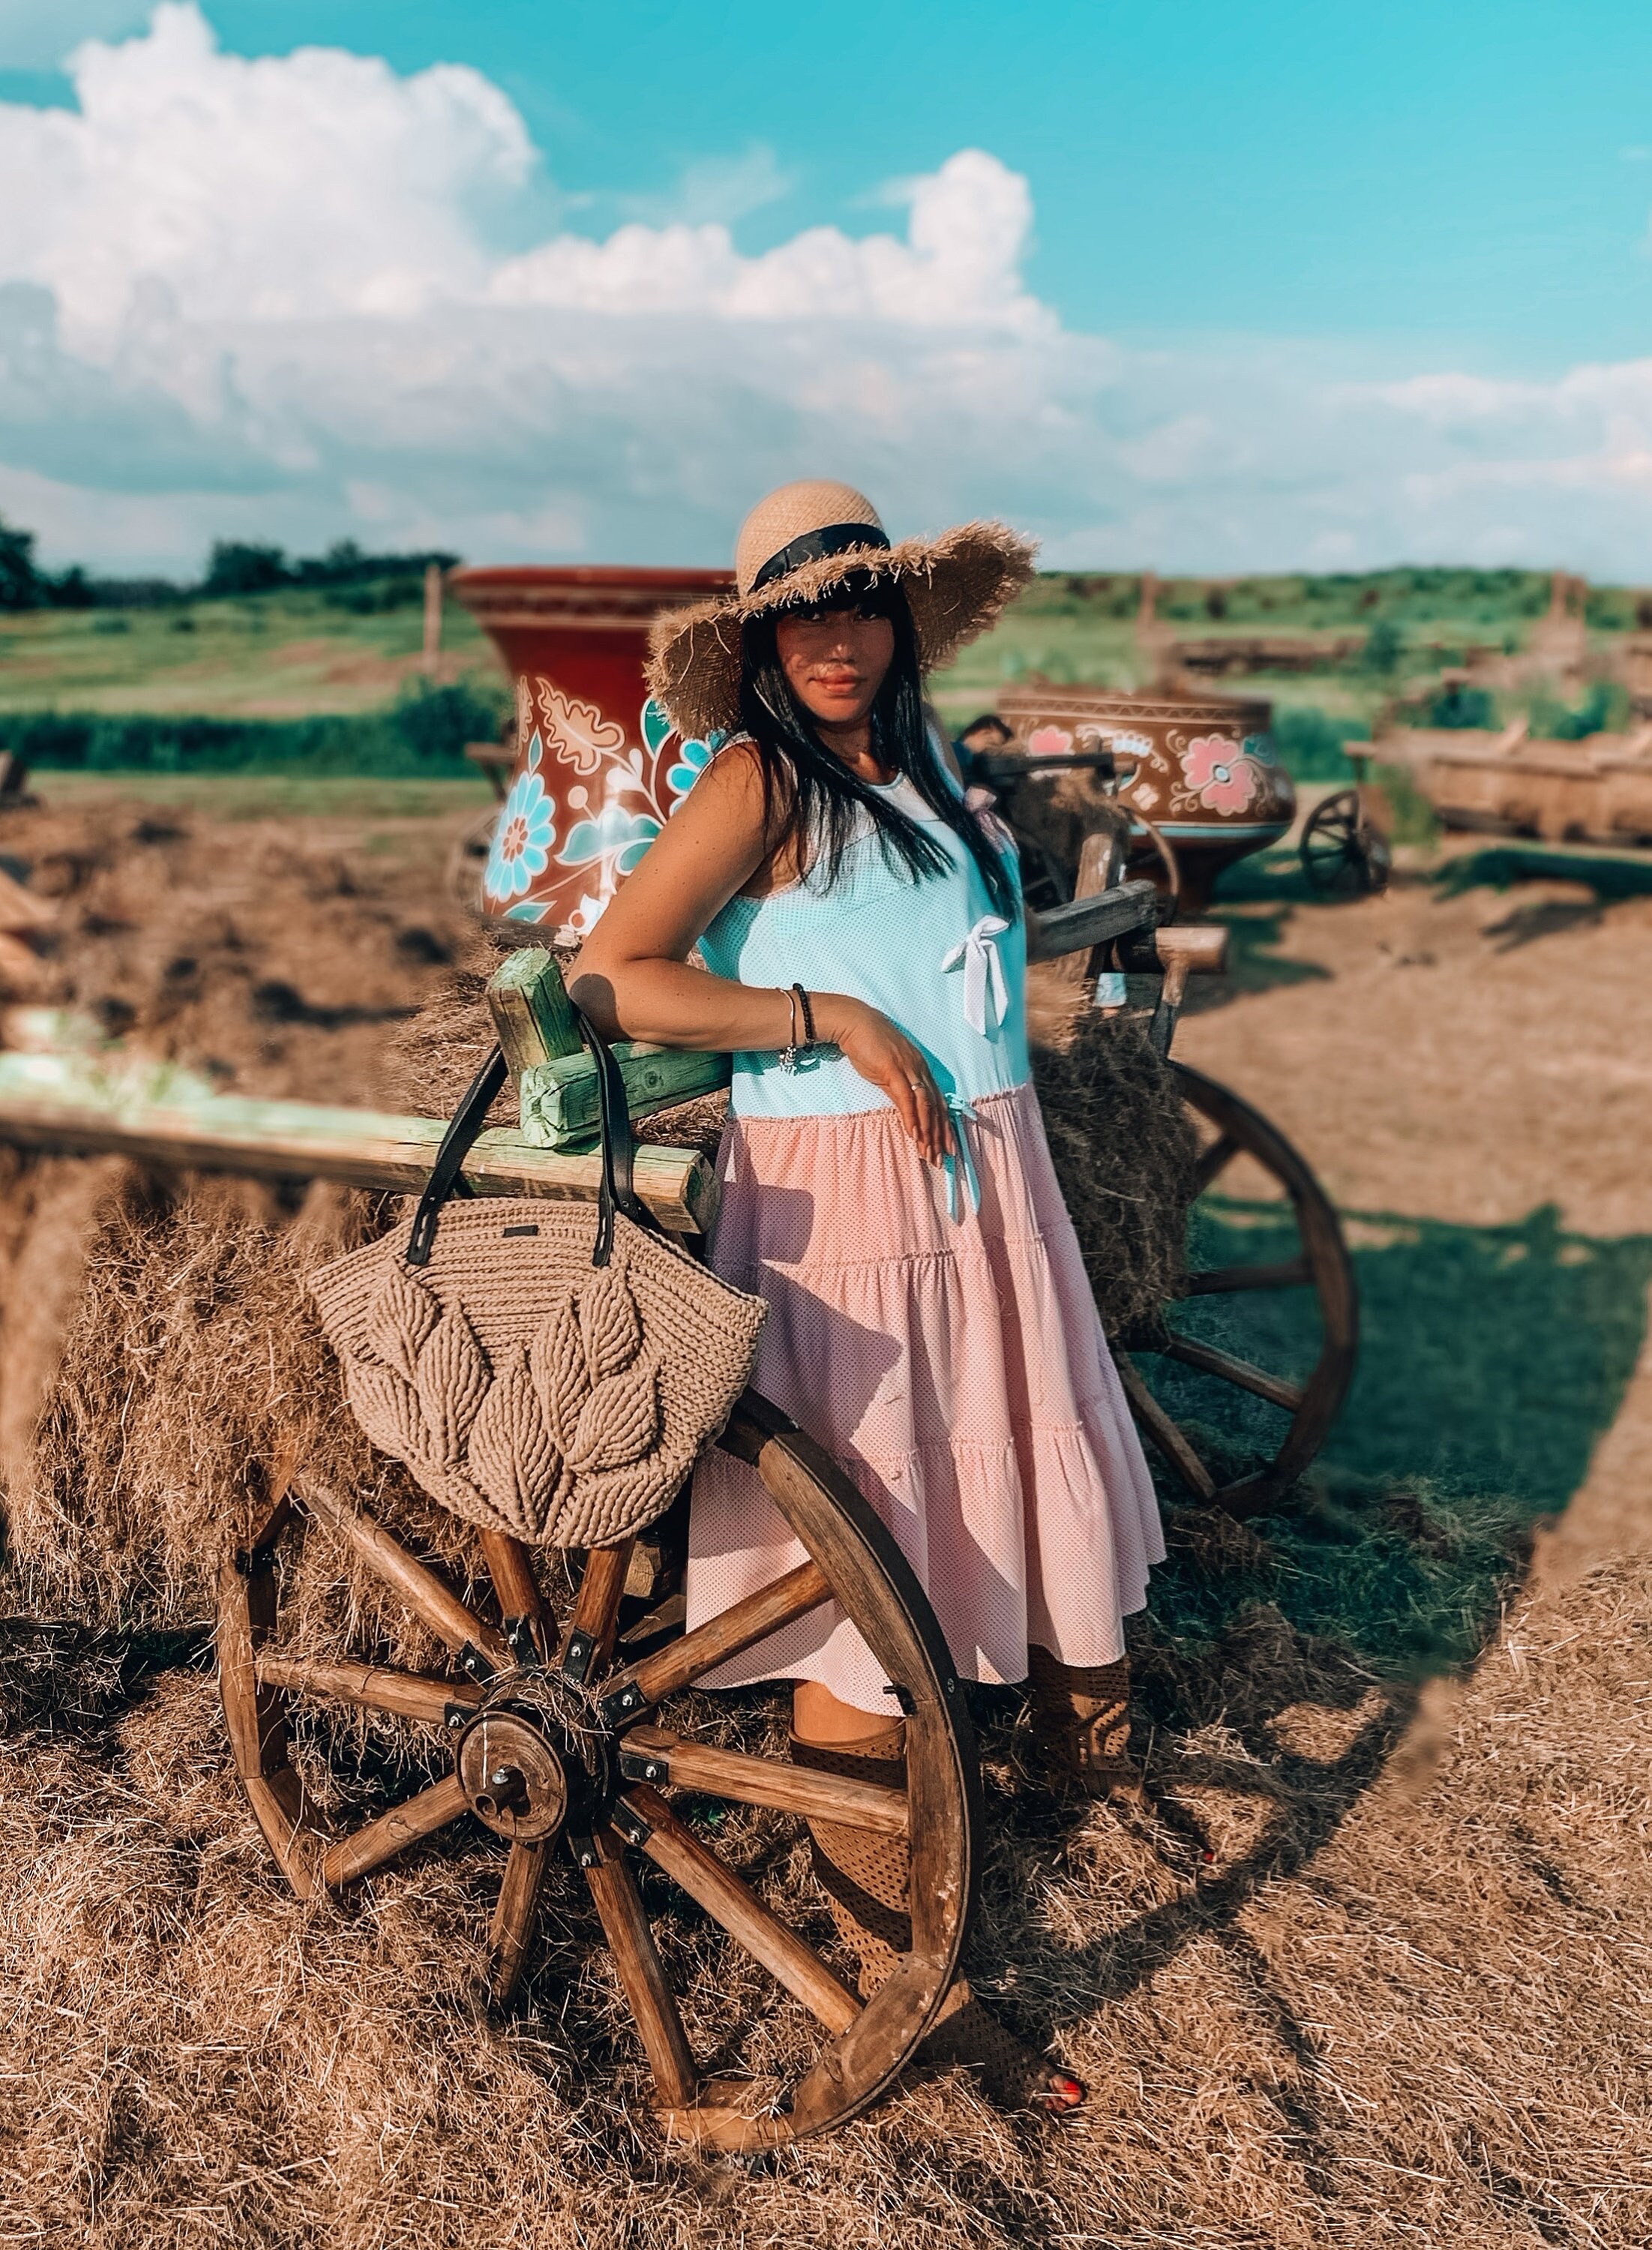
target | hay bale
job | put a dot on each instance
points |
(1125, 1151)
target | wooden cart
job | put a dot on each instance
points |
(558, 1724)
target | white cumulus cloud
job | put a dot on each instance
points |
(286, 297)
(276, 190)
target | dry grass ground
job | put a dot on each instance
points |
(1376, 1972)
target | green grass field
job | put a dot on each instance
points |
(291, 656)
(285, 655)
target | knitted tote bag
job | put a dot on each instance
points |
(542, 1368)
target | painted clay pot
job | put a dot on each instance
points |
(1205, 773)
(598, 767)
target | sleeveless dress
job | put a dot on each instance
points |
(935, 1330)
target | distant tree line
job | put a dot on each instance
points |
(421, 736)
(345, 573)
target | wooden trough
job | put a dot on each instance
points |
(1598, 791)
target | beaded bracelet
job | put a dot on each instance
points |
(797, 998)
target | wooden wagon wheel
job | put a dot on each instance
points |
(1343, 853)
(1304, 1405)
(1152, 856)
(569, 1760)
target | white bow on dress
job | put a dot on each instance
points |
(983, 972)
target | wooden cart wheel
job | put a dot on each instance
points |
(1153, 858)
(574, 1762)
(1293, 1410)
(1343, 853)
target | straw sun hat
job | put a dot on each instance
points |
(798, 545)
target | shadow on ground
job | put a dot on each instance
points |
(1280, 1660)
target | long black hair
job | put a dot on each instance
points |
(811, 798)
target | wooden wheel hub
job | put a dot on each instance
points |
(515, 1778)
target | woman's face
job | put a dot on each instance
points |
(834, 660)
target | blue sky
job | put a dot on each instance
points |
(1225, 287)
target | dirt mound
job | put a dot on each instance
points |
(256, 953)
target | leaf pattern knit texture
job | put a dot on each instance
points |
(526, 1390)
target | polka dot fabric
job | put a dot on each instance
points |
(955, 1366)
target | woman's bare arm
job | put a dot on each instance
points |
(635, 980)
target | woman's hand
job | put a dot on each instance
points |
(885, 1058)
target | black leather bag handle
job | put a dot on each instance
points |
(447, 1176)
(616, 1191)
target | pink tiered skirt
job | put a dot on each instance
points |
(956, 1369)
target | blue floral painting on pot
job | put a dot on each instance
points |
(523, 837)
(692, 757)
(618, 838)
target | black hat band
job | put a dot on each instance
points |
(814, 546)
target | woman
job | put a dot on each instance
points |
(886, 1185)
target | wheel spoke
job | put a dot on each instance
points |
(514, 1585)
(590, 1643)
(643, 1976)
(682, 1662)
(381, 1840)
(1287, 1273)
(771, 1782)
(1221, 1153)
(423, 1592)
(1163, 1431)
(513, 1917)
(410, 1694)
(1206, 1357)
(729, 1901)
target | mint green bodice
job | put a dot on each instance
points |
(933, 955)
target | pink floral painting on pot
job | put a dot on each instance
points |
(1049, 742)
(1221, 773)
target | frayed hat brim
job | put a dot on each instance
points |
(956, 585)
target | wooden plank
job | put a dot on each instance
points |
(1093, 921)
(423, 1592)
(1101, 864)
(682, 1662)
(376, 1688)
(643, 1976)
(560, 1099)
(381, 1840)
(769, 1781)
(532, 1012)
(65, 1104)
(742, 1913)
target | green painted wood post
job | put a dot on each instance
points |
(559, 1104)
(532, 1012)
